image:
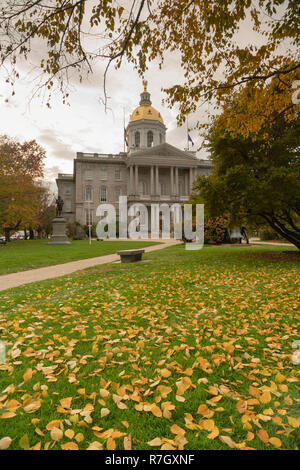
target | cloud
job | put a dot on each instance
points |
(56, 146)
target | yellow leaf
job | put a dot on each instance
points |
(7, 414)
(203, 410)
(156, 411)
(180, 398)
(24, 442)
(294, 422)
(56, 434)
(213, 434)
(263, 435)
(53, 424)
(177, 430)
(265, 397)
(66, 402)
(125, 423)
(127, 442)
(69, 433)
(155, 442)
(79, 437)
(275, 442)
(111, 444)
(167, 446)
(104, 412)
(69, 446)
(228, 441)
(279, 377)
(95, 446)
(31, 405)
(165, 373)
(37, 446)
(208, 424)
(5, 443)
(27, 375)
(104, 393)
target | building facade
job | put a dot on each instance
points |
(151, 171)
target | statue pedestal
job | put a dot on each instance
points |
(59, 236)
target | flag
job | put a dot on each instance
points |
(190, 139)
(125, 136)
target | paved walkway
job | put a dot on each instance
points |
(7, 281)
(256, 241)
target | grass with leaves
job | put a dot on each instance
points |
(192, 350)
(20, 255)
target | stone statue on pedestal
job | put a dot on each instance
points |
(59, 206)
(59, 236)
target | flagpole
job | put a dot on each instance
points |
(187, 132)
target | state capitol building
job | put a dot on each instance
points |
(151, 171)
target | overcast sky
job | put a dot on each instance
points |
(84, 125)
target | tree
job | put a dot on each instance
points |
(204, 34)
(46, 214)
(21, 164)
(255, 181)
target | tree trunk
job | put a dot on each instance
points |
(25, 234)
(31, 234)
(7, 234)
(292, 237)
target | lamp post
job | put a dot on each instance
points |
(90, 234)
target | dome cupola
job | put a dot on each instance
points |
(146, 127)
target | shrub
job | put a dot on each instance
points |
(215, 231)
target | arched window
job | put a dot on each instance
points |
(137, 139)
(149, 138)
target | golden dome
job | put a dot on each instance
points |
(145, 112)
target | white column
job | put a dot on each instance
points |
(151, 181)
(191, 179)
(136, 179)
(172, 181)
(131, 191)
(176, 182)
(156, 181)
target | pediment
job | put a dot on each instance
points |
(163, 150)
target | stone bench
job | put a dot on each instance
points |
(130, 256)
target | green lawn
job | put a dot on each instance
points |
(192, 350)
(20, 255)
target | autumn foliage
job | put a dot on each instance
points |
(21, 164)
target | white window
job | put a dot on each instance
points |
(103, 174)
(103, 194)
(118, 194)
(68, 205)
(88, 193)
(117, 175)
(68, 190)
